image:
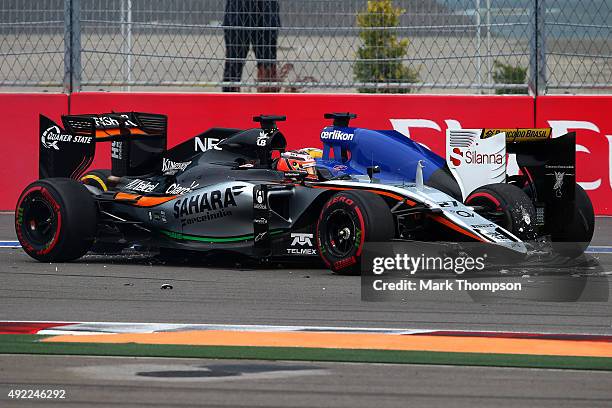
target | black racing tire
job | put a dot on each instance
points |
(56, 219)
(348, 220)
(574, 237)
(507, 206)
(97, 178)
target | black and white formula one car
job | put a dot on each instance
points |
(239, 191)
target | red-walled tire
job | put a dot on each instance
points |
(56, 219)
(507, 206)
(348, 220)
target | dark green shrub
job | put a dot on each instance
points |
(509, 74)
(381, 45)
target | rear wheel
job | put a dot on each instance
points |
(56, 220)
(507, 206)
(572, 238)
(347, 221)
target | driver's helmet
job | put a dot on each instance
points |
(297, 160)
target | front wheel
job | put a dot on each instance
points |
(56, 220)
(348, 220)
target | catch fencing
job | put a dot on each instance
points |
(420, 46)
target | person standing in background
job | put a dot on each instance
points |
(251, 23)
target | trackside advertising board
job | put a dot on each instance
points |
(19, 140)
(424, 118)
(590, 117)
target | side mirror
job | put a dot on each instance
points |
(341, 119)
(268, 122)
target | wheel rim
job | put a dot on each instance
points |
(341, 233)
(39, 220)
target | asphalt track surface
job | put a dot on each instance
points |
(157, 382)
(127, 289)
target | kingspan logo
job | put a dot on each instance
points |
(301, 244)
(169, 165)
(336, 135)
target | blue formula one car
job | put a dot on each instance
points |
(240, 191)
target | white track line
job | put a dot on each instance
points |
(9, 244)
(124, 327)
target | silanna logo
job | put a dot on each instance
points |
(206, 206)
(336, 135)
(52, 136)
(458, 157)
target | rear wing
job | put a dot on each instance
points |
(479, 156)
(138, 142)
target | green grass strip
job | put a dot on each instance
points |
(30, 344)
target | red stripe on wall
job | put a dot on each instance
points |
(27, 327)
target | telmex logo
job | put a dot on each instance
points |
(336, 135)
(301, 239)
(473, 157)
